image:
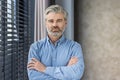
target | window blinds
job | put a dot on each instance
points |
(15, 38)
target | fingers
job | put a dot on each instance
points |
(34, 60)
(36, 65)
(31, 64)
(72, 61)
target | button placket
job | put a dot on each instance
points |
(54, 56)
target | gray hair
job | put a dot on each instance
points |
(56, 9)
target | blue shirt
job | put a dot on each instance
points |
(56, 57)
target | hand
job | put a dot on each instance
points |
(37, 65)
(72, 61)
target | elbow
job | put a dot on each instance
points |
(79, 73)
(79, 76)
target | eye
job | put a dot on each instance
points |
(50, 21)
(59, 20)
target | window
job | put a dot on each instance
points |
(15, 38)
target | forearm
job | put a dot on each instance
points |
(66, 72)
(35, 75)
(32, 73)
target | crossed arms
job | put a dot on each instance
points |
(73, 70)
(37, 65)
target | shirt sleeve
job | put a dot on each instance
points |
(33, 74)
(73, 72)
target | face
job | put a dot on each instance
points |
(55, 24)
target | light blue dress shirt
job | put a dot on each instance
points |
(55, 58)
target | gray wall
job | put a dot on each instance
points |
(97, 29)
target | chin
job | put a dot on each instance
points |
(56, 34)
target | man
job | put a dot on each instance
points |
(55, 57)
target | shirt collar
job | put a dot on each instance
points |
(58, 41)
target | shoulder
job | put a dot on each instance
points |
(73, 43)
(38, 44)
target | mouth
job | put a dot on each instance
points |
(55, 29)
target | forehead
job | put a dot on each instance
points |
(55, 16)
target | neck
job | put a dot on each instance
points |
(54, 38)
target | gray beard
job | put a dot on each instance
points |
(56, 34)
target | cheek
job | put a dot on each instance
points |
(62, 26)
(48, 25)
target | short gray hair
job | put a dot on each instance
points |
(56, 9)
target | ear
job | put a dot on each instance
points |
(66, 22)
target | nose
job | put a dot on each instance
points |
(55, 24)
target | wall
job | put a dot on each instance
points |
(99, 28)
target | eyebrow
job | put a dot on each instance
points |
(59, 19)
(56, 20)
